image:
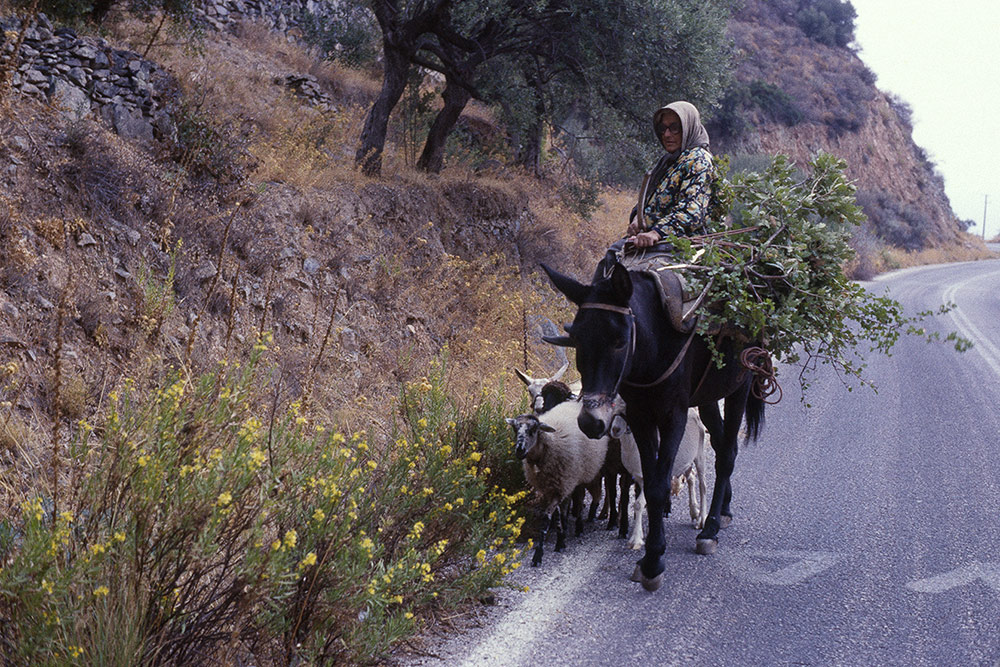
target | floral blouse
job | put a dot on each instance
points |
(680, 204)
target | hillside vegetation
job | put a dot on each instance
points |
(799, 88)
(252, 399)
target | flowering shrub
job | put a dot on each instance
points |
(199, 521)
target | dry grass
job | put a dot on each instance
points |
(968, 248)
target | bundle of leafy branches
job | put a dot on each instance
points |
(774, 268)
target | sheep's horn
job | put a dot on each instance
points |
(559, 373)
(524, 378)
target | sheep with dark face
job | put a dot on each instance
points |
(559, 460)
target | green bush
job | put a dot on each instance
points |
(776, 269)
(201, 523)
(829, 22)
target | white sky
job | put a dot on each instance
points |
(943, 58)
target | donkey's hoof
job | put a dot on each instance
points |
(706, 547)
(651, 585)
(725, 520)
(636, 574)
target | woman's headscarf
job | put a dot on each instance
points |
(693, 133)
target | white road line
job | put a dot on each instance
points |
(806, 564)
(989, 573)
(989, 352)
(528, 621)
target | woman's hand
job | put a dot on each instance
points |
(645, 239)
(633, 228)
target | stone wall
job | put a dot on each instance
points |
(84, 75)
(134, 96)
(281, 15)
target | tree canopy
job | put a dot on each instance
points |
(595, 70)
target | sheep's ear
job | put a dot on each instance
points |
(510, 421)
(545, 427)
(561, 341)
(573, 290)
(524, 378)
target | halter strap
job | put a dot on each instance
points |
(673, 367)
(624, 310)
(631, 316)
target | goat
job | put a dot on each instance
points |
(536, 385)
(546, 393)
(559, 462)
(689, 464)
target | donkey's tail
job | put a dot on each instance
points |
(755, 415)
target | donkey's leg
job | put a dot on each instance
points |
(657, 449)
(726, 448)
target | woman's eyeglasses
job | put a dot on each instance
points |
(673, 128)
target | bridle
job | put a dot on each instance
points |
(630, 319)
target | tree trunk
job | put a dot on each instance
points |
(372, 142)
(531, 152)
(455, 99)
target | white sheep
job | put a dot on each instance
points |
(558, 460)
(689, 464)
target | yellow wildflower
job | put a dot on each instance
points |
(224, 499)
(257, 457)
(308, 561)
(101, 591)
(319, 515)
(291, 538)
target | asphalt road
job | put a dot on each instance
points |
(867, 528)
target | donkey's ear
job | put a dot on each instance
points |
(574, 291)
(561, 341)
(621, 284)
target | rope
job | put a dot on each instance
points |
(757, 360)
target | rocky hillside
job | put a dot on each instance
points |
(799, 90)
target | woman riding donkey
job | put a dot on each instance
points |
(630, 342)
(677, 194)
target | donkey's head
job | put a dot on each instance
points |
(603, 333)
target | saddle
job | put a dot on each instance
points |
(682, 305)
(677, 300)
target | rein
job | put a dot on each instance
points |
(670, 371)
(630, 316)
